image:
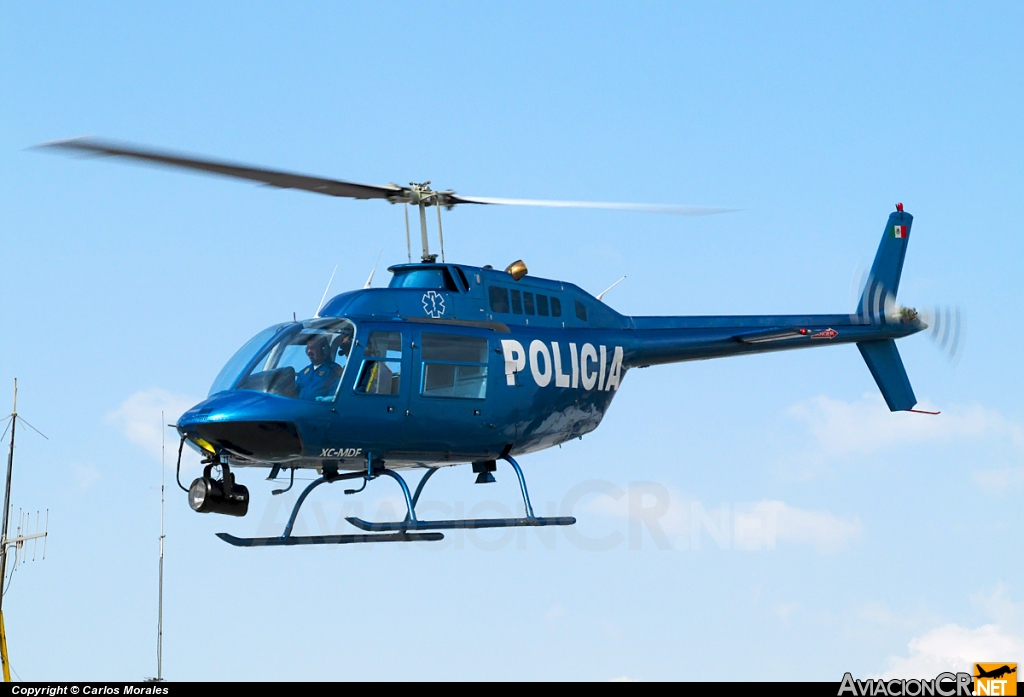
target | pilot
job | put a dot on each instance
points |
(320, 378)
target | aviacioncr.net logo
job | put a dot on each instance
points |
(942, 685)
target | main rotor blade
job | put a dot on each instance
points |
(281, 180)
(641, 207)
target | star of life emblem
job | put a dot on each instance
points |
(433, 304)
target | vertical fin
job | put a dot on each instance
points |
(884, 279)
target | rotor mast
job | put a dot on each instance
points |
(421, 195)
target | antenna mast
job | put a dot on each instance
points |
(3, 536)
(160, 601)
(160, 606)
(19, 540)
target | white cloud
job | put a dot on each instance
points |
(85, 475)
(867, 425)
(555, 613)
(999, 607)
(822, 530)
(139, 419)
(999, 481)
(954, 648)
(688, 524)
(907, 619)
(784, 610)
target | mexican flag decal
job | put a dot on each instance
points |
(899, 231)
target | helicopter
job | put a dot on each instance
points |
(454, 364)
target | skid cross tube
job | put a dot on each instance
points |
(522, 485)
(411, 523)
(305, 492)
(287, 539)
(419, 487)
(411, 515)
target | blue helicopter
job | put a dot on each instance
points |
(455, 364)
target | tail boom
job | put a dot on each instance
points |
(660, 340)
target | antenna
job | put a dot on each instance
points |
(601, 294)
(369, 281)
(18, 541)
(160, 594)
(160, 601)
(321, 305)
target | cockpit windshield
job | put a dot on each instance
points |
(305, 360)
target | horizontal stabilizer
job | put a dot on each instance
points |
(884, 362)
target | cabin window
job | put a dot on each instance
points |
(528, 303)
(542, 305)
(499, 299)
(382, 364)
(517, 302)
(556, 307)
(430, 278)
(454, 366)
(581, 311)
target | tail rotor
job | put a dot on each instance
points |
(947, 327)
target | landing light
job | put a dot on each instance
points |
(208, 495)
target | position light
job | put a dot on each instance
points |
(899, 207)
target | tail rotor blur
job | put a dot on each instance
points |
(947, 327)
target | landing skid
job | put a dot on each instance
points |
(327, 539)
(407, 530)
(472, 524)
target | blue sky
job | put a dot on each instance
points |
(801, 530)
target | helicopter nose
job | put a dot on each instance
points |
(235, 425)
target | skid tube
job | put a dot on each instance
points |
(409, 530)
(287, 539)
(411, 525)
